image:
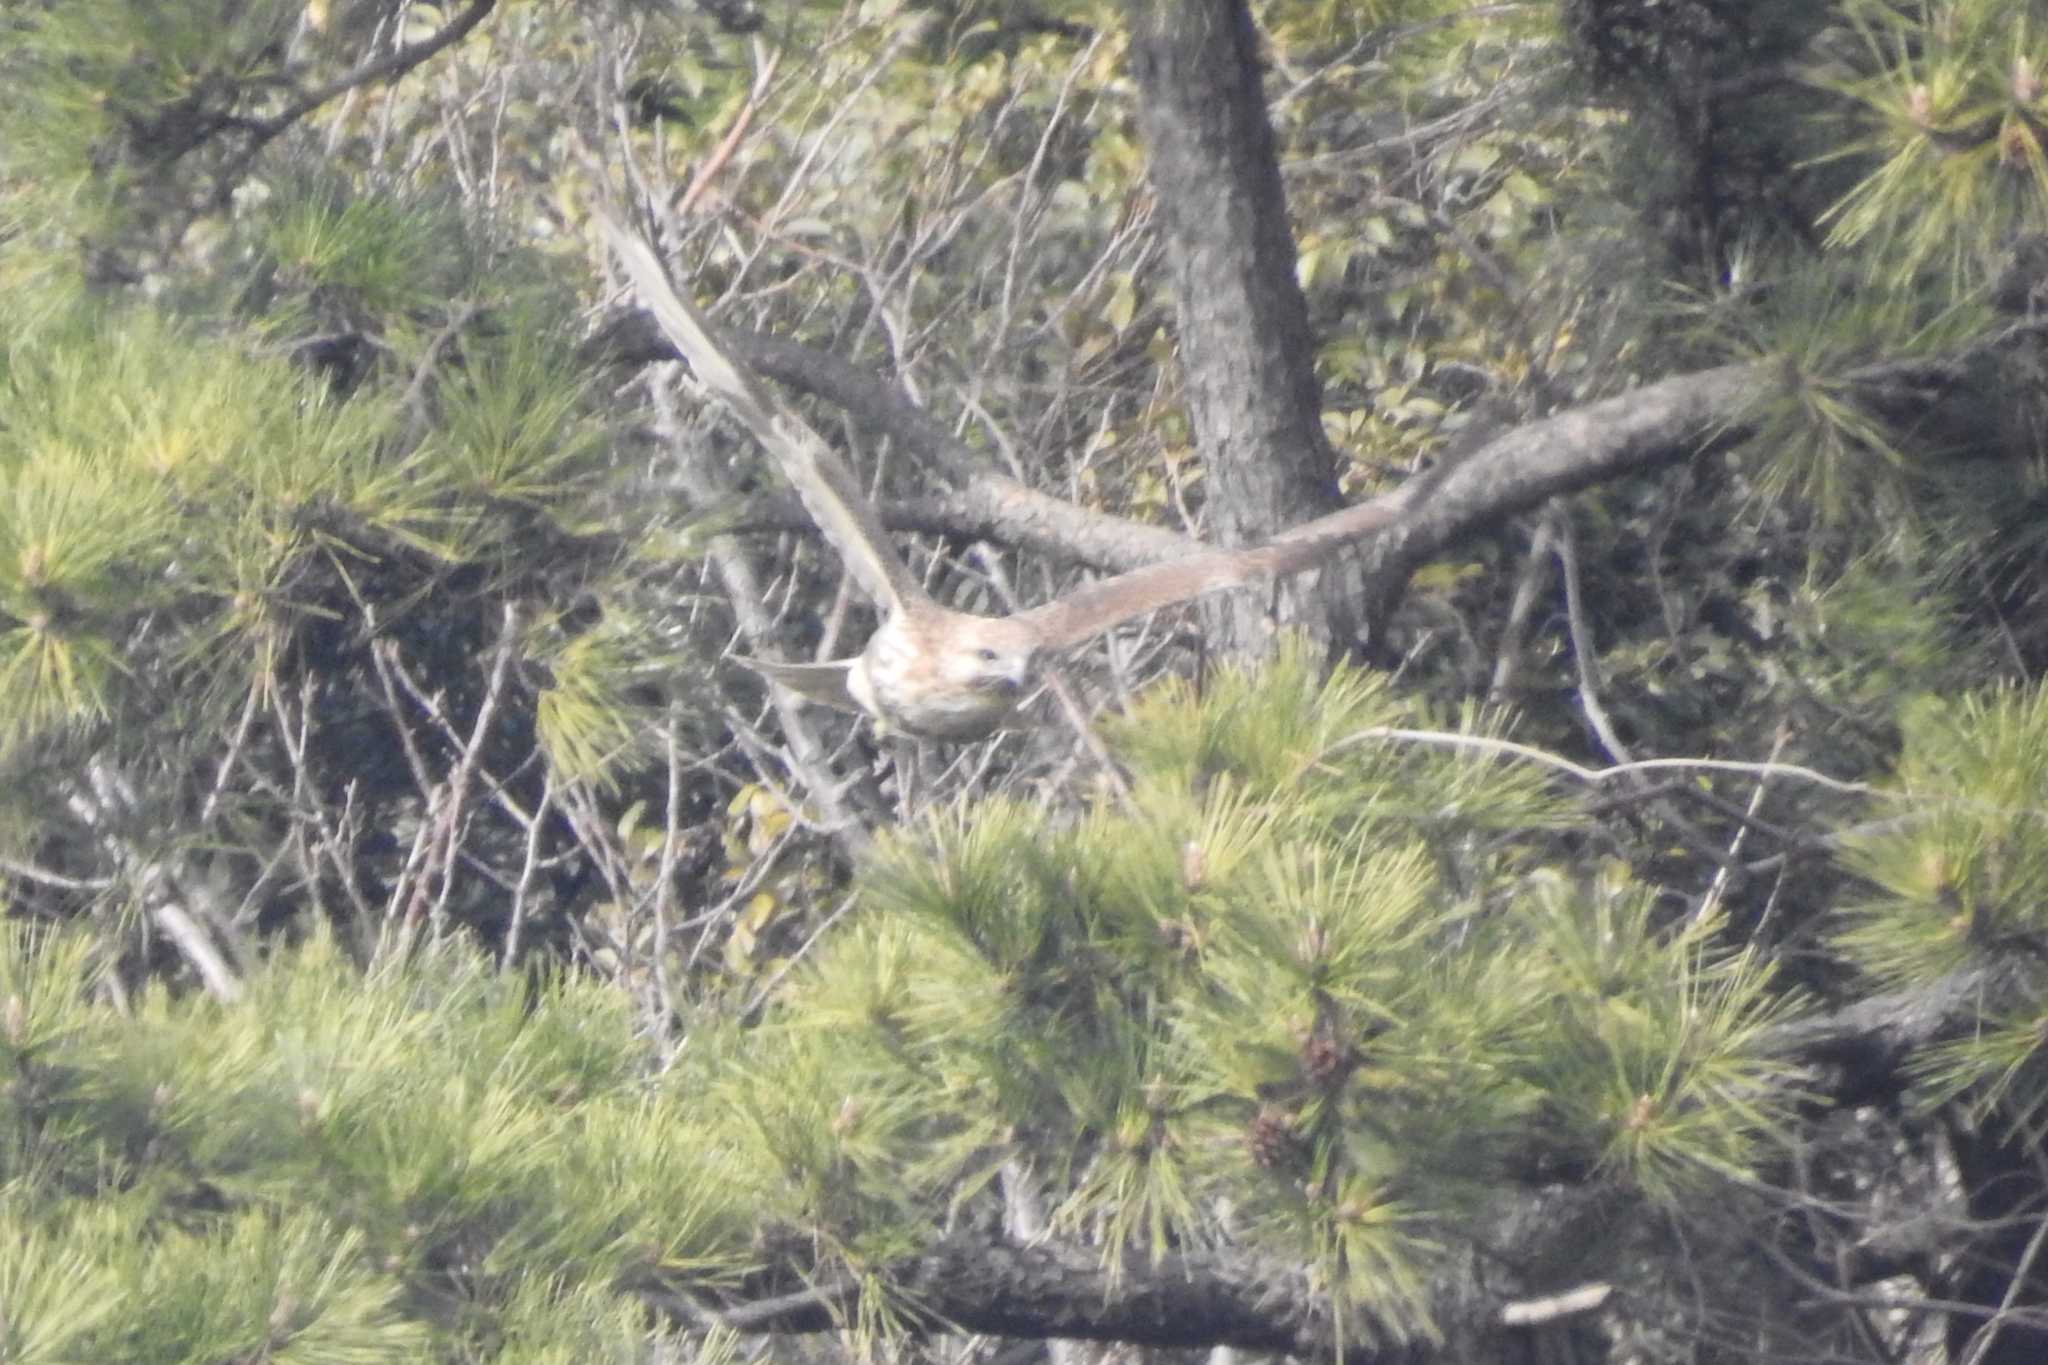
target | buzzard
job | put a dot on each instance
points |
(929, 670)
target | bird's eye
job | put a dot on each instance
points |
(988, 656)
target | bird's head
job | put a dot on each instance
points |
(989, 655)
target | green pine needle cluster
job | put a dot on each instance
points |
(1959, 884)
(1954, 119)
(1655, 1043)
(109, 103)
(435, 1163)
(372, 253)
(152, 472)
(1255, 1002)
(1961, 880)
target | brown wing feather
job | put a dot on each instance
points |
(828, 489)
(1090, 610)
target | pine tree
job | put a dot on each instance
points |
(1606, 926)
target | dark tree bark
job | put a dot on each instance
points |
(1053, 1292)
(2005, 1265)
(1246, 352)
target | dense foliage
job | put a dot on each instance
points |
(1623, 875)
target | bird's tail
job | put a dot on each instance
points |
(823, 683)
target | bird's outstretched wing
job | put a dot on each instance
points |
(828, 489)
(1106, 603)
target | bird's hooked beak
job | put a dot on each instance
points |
(1012, 677)
(1006, 672)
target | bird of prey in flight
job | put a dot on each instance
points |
(929, 670)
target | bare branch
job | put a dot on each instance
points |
(388, 67)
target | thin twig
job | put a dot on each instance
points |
(1595, 776)
(1584, 648)
(1521, 606)
(463, 778)
(1981, 1341)
(788, 964)
(529, 867)
(727, 145)
(29, 872)
(1718, 887)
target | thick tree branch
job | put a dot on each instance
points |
(1031, 519)
(1859, 1053)
(945, 513)
(387, 67)
(1052, 1292)
(1657, 424)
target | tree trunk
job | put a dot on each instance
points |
(1246, 352)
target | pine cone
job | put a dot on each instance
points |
(1271, 1139)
